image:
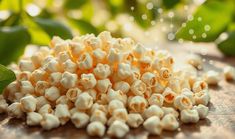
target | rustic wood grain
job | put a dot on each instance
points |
(220, 123)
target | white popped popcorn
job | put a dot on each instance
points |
(96, 128)
(153, 125)
(99, 82)
(49, 121)
(189, 116)
(169, 122)
(80, 119)
(134, 120)
(229, 73)
(33, 118)
(118, 129)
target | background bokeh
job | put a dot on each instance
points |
(24, 22)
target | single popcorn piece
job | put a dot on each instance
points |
(99, 55)
(139, 50)
(212, 77)
(118, 129)
(165, 73)
(68, 80)
(15, 110)
(28, 103)
(38, 75)
(88, 81)
(103, 85)
(98, 115)
(46, 109)
(52, 93)
(73, 93)
(138, 87)
(85, 61)
(156, 99)
(41, 101)
(153, 125)
(84, 101)
(182, 102)
(124, 70)
(194, 60)
(149, 79)
(55, 78)
(102, 71)
(70, 66)
(26, 65)
(80, 119)
(170, 110)
(76, 48)
(49, 121)
(169, 122)
(33, 119)
(169, 95)
(114, 104)
(52, 65)
(188, 93)
(153, 110)
(62, 112)
(189, 116)
(96, 128)
(202, 111)
(137, 104)
(40, 87)
(119, 95)
(199, 86)
(134, 120)
(63, 56)
(114, 56)
(202, 97)
(120, 114)
(229, 73)
(122, 86)
(26, 87)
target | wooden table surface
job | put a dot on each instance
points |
(220, 123)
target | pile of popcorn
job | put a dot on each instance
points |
(107, 85)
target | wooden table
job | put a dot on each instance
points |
(220, 123)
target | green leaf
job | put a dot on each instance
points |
(74, 4)
(12, 5)
(83, 26)
(6, 77)
(170, 3)
(38, 35)
(228, 46)
(12, 43)
(54, 28)
(87, 11)
(115, 6)
(215, 15)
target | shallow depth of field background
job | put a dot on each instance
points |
(158, 22)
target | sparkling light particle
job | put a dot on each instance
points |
(207, 27)
(144, 17)
(199, 19)
(204, 35)
(149, 5)
(171, 36)
(191, 31)
(171, 14)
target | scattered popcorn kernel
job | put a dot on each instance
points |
(134, 120)
(49, 121)
(189, 116)
(52, 93)
(165, 73)
(14, 110)
(28, 103)
(62, 112)
(169, 122)
(96, 128)
(212, 77)
(153, 110)
(156, 99)
(76, 48)
(88, 81)
(202, 111)
(118, 129)
(153, 125)
(33, 119)
(194, 60)
(80, 119)
(84, 101)
(229, 73)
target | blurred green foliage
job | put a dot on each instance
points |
(6, 77)
(68, 17)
